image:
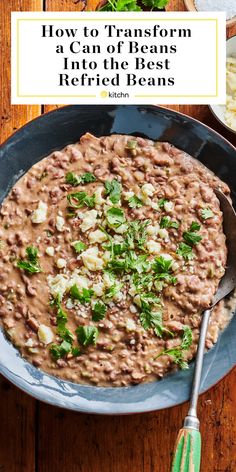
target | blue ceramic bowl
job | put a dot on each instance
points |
(66, 125)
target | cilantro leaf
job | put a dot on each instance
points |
(72, 179)
(177, 353)
(141, 281)
(113, 189)
(60, 350)
(159, 4)
(120, 5)
(87, 178)
(84, 296)
(131, 262)
(135, 202)
(75, 180)
(87, 335)
(115, 216)
(113, 290)
(185, 251)
(98, 311)
(166, 222)
(75, 351)
(162, 268)
(195, 226)
(82, 198)
(136, 234)
(207, 213)
(31, 263)
(162, 202)
(191, 238)
(78, 246)
(148, 317)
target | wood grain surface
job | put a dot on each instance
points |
(35, 437)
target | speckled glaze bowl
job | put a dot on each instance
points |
(55, 130)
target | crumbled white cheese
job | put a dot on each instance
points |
(99, 200)
(91, 259)
(163, 233)
(147, 190)
(106, 256)
(45, 334)
(40, 214)
(154, 205)
(108, 280)
(166, 256)
(60, 223)
(57, 285)
(50, 251)
(98, 289)
(89, 220)
(78, 279)
(121, 229)
(97, 236)
(29, 342)
(133, 309)
(168, 206)
(153, 230)
(61, 263)
(69, 304)
(130, 325)
(153, 247)
(128, 195)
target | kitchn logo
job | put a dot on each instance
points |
(106, 94)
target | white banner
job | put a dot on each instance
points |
(96, 57)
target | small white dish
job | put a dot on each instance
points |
(219, 110)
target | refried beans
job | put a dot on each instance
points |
(110, 251)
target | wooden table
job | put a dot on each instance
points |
(35, 437)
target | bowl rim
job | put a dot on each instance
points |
(211, 106)
(37, 394)
(229, 22)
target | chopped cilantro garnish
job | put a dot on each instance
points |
(162, 202)
(98, 311)
(191, 238)
(113, 290)
(113, 189)
(74, 179)
(78, 199)
(75, 351)
(131, 262)
(78, 246)
(87, 335)
(136, 234)
(166, 222)
(141, 281)
(135, 202)
(60, 350)
(177, 353)
(148, 317)
(195, 226)
(115, 216)
(31, 263)
(185, 251)
(84, 296)
(162, 269)
(207, 213)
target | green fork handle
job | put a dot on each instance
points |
(187, 454)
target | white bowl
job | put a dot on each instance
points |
(219, 110)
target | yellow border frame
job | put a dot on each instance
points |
(112, 19)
